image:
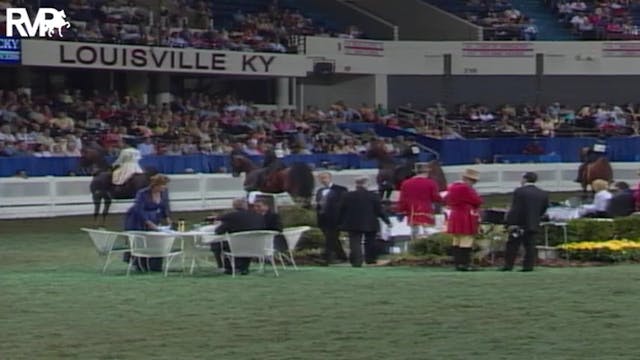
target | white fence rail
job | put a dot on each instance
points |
(62, 196)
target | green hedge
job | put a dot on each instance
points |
(312, 239)
(594, 230)
(297, 216)
(437, 244)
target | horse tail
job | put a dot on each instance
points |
(301, 179)
(438, 175)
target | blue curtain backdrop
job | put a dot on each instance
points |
(457, 152)
(452, 152)
(181, 164)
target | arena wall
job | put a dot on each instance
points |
(62, 196)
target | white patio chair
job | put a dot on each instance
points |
(251, 244)
(107, 244)
(151, 244)
(292, 236)
(202, 246)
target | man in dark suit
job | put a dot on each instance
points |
(328, 199)
(528, 206)
(622, 203)
(272, 222)
(241, 219)
(359, 214)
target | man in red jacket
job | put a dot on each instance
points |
(464, 204)
(417, 196)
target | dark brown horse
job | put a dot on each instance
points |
(296, 180)
(391, 174)
(598, 168)
(93, 161)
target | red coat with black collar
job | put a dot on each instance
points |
(464, 205)
(417, 196)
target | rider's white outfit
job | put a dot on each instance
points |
(128, 165)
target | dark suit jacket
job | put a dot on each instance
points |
(328, 216)
(360, 211)
(240, 220)
(528, 205)
(272, 222)
(621, 204)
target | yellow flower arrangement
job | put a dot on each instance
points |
(611, 245)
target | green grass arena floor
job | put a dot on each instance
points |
(54, 305)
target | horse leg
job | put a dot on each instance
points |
(105, 210)
(97, 199)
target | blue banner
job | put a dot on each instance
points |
(63, 166)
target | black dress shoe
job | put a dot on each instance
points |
(505, 269)
(526, 270)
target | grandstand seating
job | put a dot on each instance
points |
(507, 20)
(499, 19)
(601, 20)
(244, 25)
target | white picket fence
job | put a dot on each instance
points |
(62, 196)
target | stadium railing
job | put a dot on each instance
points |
(61, 196)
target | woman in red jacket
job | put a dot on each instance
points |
(464, 217)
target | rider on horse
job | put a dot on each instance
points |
(126, 166)
(271, 165)
(595, 152)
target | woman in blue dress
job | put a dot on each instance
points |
(149, 210)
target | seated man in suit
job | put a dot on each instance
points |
(622, 203)
(273, 222)
(241, 219)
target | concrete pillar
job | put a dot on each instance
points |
(282, 92)
(300, 105)
(381, 90)
(162, 88)
(24, 77)
(294, 95)
(137, 84)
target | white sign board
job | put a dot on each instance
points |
(148, 58)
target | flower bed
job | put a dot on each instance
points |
(607, 251)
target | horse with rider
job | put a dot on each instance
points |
(595, 165)
(392, 172)
(274, 176)
(120, 180)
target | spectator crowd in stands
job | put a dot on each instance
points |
(198, 124)
(182, 23)
(597, 20)
(499, 18)
(202, 124)
(472, 121)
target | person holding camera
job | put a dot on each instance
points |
(528, 206)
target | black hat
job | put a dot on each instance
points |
(530, 177)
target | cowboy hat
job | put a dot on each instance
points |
(471, 174)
